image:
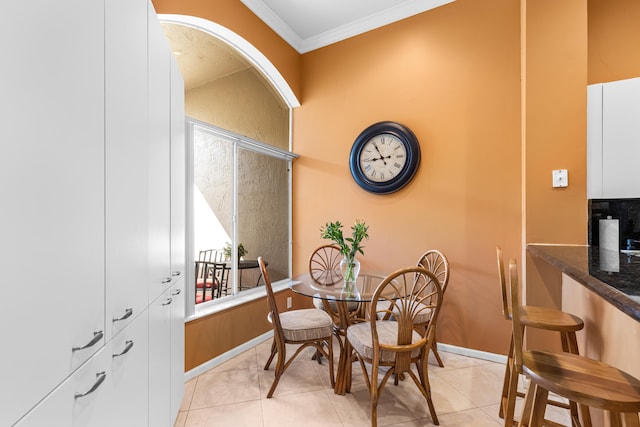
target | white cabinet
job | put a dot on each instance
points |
(160, 360)
(113, 382)
(159, 211)
(52, 187)
(176, 364)
(79, 401)
(87, 228)
(613, 139)
(127, 152)
(178, 178)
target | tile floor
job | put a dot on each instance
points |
(466, 392)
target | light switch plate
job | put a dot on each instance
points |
(560, 178)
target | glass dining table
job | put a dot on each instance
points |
(345, 308)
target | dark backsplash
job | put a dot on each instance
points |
(627, 211)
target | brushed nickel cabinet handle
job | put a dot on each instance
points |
(97, 336)
(167, 301)
(176, 273)
(176, 292)
(128, 312)
(100, 379)
(166, 280)
(126, 349)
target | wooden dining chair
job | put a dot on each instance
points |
(324, 265)
(324, 269)
(437, 263)
(543, 318)
(588, 382)
(390, 340)
(308, 327)
(206, 282)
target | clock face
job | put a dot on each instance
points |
(384, 157)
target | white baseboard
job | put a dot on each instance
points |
(463, 351)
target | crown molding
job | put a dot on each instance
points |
(343, 32)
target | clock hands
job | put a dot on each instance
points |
(381, 156)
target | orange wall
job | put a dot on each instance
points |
(554, 137)
(614, 40)
(453, 76)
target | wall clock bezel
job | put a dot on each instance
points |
(412, 148)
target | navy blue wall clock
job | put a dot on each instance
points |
(384, 157)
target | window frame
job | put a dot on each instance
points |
(193, 310)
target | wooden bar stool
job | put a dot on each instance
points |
(588, 382)
(540, 318)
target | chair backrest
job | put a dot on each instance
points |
(506, 312)
(273, 307)
(518, 340)
(206, 255)
(437, 263)
(324, 265)
(408, 292)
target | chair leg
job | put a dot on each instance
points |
(509, 389)
(273, 353)
(539, 406)
(434, 349)
(280, 367)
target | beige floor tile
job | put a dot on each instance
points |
(310, 409)
(189, 388)
(301, 376)
(482, 384)
(354, 408)
(446, 398)
(245, 414)
(223, 388)
(181, 419)
(245, 360)
(472, 417)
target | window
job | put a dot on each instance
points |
(240, 196)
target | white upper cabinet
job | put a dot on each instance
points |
(127, 153)
(178, 179)
(613, 144)
(52, 218)
(159, 211)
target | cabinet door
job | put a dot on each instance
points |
(594, 141)
(177, 346)
(127, 152)
(178, 178)
(128, 382)
(52, 188)
(81, 400)
(159, 210)
(160, 360)
(621, 138)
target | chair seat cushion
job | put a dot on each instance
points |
(421, 317)
(359, 335)
(306, 324)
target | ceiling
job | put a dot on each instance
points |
(305, 24)
(311, 24)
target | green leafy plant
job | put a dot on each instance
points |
(227, 250)
(349, 246)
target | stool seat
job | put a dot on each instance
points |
(550, 319)
(583, 380)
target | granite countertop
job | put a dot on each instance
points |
(612, 275)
